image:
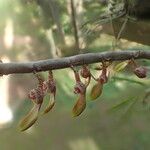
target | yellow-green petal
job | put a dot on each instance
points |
(30, 118)
(120, 66)
(96, 91)
(50, 104)
(79, 106)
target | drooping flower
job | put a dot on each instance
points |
(36, 95)
(98, 87)
(80, 89)
(50, 86)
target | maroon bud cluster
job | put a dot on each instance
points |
(85, 72)
(79, 88)
(140, 72)
(49, 86)
(103, 76)
(36, 95)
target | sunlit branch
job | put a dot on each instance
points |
(76, 60)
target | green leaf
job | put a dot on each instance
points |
(129, 80)
(130, 107)
(125, 106)
(120, 105)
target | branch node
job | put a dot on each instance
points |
(37, 68)
(137, 54)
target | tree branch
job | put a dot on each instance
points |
(77, 60)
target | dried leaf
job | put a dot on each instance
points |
(30, 118)
(120, 66)
(96, 91)
(50, 104)
(79, 106)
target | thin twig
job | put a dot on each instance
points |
(66, 62)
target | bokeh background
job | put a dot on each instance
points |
(34, 30)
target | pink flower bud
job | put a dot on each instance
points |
(103, 78)
(85, 72)
(141, 72)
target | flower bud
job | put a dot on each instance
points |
(85, 72)
(103, 78)
(36, 95)
(140, 72)
(79, 88)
